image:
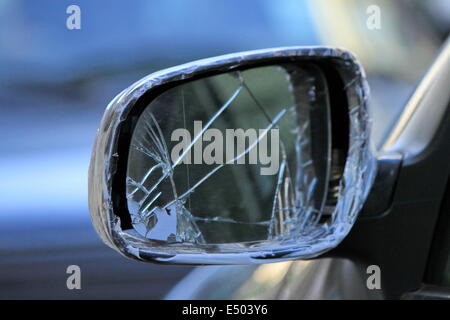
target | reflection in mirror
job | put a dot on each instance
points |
(242, 156)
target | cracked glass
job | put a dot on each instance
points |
(239, 157)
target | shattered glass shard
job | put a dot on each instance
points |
(237, 157)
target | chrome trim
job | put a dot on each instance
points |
(423, 113)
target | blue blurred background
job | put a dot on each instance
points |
(55, 84)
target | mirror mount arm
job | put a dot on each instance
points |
(380, 196)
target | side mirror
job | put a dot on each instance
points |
(253, 157)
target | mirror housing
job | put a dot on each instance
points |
(312, 232)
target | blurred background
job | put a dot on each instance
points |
(55, 84)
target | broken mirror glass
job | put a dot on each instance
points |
(236, 157)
